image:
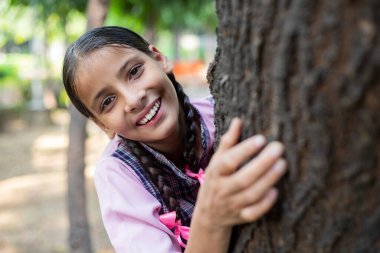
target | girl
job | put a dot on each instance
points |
(156, 178)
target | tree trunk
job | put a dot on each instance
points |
(151, 27)
(96, 13)
(307, 72)
(176, 43)
(79, 235)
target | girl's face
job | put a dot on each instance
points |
(130, 94)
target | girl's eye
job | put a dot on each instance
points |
(107, 103)
(135, 71)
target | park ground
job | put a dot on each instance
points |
(33, 210)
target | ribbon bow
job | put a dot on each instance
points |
(200, 175)
(168, 219)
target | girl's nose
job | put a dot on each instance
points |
(134, 101)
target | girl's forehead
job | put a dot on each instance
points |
(112, 51)
(105, 56)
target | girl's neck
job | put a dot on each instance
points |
(175, 146)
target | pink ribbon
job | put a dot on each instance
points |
(168, 219)
(199, 176)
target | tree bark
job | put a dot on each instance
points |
(307, 72)
(79, 234)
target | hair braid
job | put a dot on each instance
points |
(149, 162)
(191, 130)
(155, 172)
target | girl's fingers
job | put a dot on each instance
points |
(231, 137)
(254, 169)
(254, 212)
(235, 156)
(261, 186)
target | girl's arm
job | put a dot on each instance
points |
(130, 212)
(230, 196)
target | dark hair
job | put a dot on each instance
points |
(112, 35)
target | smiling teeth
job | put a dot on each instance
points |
(150, 114)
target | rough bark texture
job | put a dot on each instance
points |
(79, 235)
(307, 72)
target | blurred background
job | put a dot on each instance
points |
(34, 115)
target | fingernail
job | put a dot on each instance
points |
(273, 193)
(259, 140)
(276, 149)
(279, 166)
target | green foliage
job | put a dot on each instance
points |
(48, 7)
(53, 23)
(13, 69)
(193, 15)
(119, 15)
(63, 99)
(75, 25)
(14, 84)
(7, 71)
(15, 24)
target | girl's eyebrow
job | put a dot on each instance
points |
(125, 66)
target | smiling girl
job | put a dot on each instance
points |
(159, 175)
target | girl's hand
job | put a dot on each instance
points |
(230, 196)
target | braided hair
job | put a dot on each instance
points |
(153, 168)
(112, 35)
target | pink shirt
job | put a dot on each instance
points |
(129, 211)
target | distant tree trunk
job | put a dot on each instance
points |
(176, 43)
(79, 237)
(307, 72)
(96, 13)
(151, 33)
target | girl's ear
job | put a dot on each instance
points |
(166, 65)
(110, 133)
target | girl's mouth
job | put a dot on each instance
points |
(151, 114)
